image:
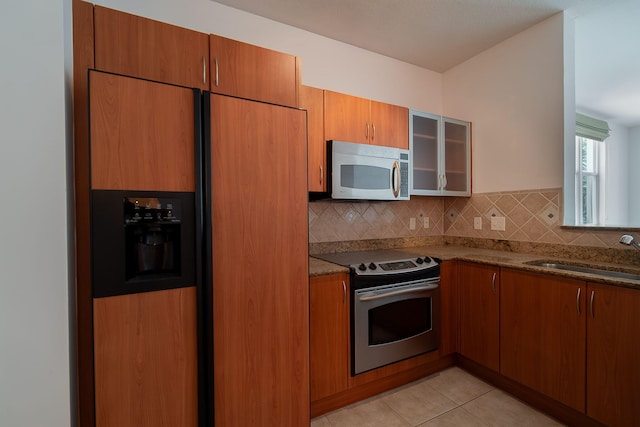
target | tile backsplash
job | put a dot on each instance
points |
(333, 221)
(530, 216)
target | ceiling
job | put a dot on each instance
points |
(432, 34)
(440, 34)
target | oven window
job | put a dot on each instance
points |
(399, 320)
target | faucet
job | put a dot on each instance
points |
(627, 239)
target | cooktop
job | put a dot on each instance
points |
(377, 262)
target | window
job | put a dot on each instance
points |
(590, 134)
(587, 181)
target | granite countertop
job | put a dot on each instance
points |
(500, 258)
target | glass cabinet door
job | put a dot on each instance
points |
(441, 155)
(456, 156)
(424, 130)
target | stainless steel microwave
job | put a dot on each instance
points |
(369, 172)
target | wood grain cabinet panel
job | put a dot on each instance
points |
(542, 334)
(142, 134)
(260, 315)
(312, 100)
(390, 125)
(252, 72)
(346, 117)
(613, 355)
(352, 119)
(146, 359)
(480, 313)
(329, 334)
(449, 311)
(140, 47)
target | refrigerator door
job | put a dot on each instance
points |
(140, 359)
(258, 225)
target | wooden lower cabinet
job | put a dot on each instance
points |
(145, 359)
(613, 355)
(449, 308)
(329, 334)
(542, 334)
(479, 287)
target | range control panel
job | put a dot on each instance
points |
(394, 266)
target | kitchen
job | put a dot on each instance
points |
(500, 74)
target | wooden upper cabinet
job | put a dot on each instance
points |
(352, 119)
(390, 125)
(312, 100)
(252, 72)
(613, 350)
(479, 287)
(346, 118)
(140, 47)
(542, 334)
(142, 134)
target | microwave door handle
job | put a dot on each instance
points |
(429, 287)
(395, 179)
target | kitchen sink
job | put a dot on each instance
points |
(561, 265)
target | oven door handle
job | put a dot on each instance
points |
(428, 287)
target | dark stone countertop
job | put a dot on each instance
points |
(504, 259)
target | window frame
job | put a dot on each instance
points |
(582, 192)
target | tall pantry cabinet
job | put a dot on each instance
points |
(140, 356)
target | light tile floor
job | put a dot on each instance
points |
(452, 397)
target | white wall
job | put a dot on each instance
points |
(513, 95)
(326, 63)
(634, 175)
(617, 192)
(34, 289)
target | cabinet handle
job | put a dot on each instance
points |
(204, 71)
(321, 174)
(444, 181)
(578, 301)
(493, 283)
(366, 131)
(591, 304)
(344, 292)
(215, 61)
(373, 131)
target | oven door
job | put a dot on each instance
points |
(394, 322)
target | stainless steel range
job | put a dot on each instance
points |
(395, 303)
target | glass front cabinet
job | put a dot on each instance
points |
(441, 150)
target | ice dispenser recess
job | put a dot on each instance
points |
(141, 241)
